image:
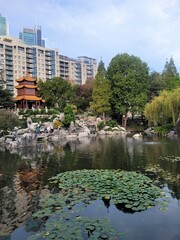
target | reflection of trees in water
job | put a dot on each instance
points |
(15, 206)
(166, 173)
(116, 152)
(19, 186)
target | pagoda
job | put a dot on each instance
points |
(27, 93)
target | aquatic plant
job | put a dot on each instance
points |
(130, 191)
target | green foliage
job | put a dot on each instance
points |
(30, 112)
(132, 187)
(83, 96)
(164, 107)
(8, 120)
(53, 111)
(129, 79)
(56, 92)
(156, 84)
(69, 115)
(170, 75)
(110, 123)
(101, 92)
(101, 125)
(57, 124)
(74, 108)
(163, 130)
(6, 98)
(132, 191)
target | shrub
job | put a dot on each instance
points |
(112, 123)
(101, 125)
(53, 111)
(8, 120)
(163, 130)
(57, 124)
(69, 115)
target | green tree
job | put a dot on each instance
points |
(8, 120)
(156, 84)
(170, 75)
(56, 92)
(83, 95)
(164, 108)
(6, 98)
(129, 79)
(101, 92)
(69, 115)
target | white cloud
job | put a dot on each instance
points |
(148, 29)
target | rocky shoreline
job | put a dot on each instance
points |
(83, 127)
(37, 132)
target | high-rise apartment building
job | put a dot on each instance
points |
(41, 63)
(4, 29)
(32, 36)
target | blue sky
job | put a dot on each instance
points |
(149, 29)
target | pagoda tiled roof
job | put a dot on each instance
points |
(25, 86)
(27, 77)
(26, 97)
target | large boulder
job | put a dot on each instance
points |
(30, 125)
(83, 134)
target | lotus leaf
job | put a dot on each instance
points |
(129, 190)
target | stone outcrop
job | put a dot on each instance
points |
(83, 127)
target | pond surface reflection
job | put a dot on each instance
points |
(24, 178)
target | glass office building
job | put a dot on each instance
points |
(32, 36)
(3, 26)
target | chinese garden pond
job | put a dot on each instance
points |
(94, 188)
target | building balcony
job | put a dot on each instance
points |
(9, 68)
(48, 54)
(8, 53)
(8, 63)
(9, 73)
(29, 65)
(8, 58)
(9, 78)
(48, 73)
(29, 60)
(29, 56)
(29, 51)
(8, 48)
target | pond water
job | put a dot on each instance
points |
(24, 178)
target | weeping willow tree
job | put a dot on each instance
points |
(164, 107)
(172, 104)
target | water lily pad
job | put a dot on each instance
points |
(129, 191)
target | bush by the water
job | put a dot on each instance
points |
(69, 115)
(110, 123)
(163, 130)
(8, 120)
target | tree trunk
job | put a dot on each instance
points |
(103, 116)
(124, 120)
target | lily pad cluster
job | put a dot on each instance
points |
(129, 191)
(170, 158)
(135, 190)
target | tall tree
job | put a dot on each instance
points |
(101, 92)
(170, 75)
(83, 95)
(164, 107)
(129, 79)
(56, 92)
(6, 98)
(156, 84)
